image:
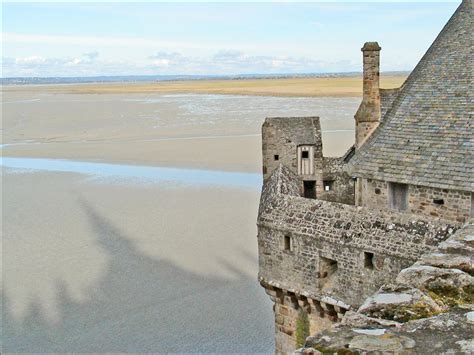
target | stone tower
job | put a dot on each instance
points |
(368, 115)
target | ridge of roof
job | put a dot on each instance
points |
(426, 137)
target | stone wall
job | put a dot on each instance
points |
(425, 201)
(278, 148)
(369, 246)
(428, 308)
(275, 143)
(342, 186)
(364, 130)
(321, 315)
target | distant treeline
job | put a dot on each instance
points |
(153, 78)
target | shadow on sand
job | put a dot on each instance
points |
(147, 305)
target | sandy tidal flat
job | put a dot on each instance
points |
(189, 130)
(95, 264)
(115, 258)
(350, 86)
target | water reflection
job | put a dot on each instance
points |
(137, 173)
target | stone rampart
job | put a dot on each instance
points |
(326, 249)
(429, 306)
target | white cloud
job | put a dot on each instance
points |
(33, 60)
(85, 58)
(162, 62)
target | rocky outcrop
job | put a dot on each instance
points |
(430, 307)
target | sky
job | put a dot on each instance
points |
(215, 38)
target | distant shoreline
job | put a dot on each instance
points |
(175, 78)
(328, 86)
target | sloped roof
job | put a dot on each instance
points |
(426, 137)
(299, 130)
(387, 96)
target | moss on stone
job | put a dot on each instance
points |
(405, 313)
(331, 351)
(452, 296)
(302, 328)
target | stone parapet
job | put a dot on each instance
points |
(430, 307)
(336, 250)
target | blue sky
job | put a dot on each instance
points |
(120, 38)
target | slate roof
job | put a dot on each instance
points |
(299, 130)
(387, 96)
(426, 137)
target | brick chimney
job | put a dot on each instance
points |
(368, 115)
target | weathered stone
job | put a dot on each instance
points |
(327, 240)
(446, 333)
(426, 277)
(381, 343)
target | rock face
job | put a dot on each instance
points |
(431, 306)
(446, 333)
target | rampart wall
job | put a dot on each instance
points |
(358, 249)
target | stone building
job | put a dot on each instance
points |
(331, 231)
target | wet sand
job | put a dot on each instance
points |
(202, 131)
(96, 265)
(106, 264)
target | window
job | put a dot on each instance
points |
(438, 201)
(328, 185)
(305, 158)
(287, 243)
(397, 196)
(472, 204)
(276, 157)
(369, 260)
(327, 267)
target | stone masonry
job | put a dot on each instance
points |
(430, 202)
(333, 230)
(300, 240)
(369, 113)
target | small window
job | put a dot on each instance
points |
(305, 154)
(287, 243)
(328, 185)
(276, 157)
(472, 204)
(378, 191)
(438, 201)
(369, 260)
(398, 196)
(327, 267)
